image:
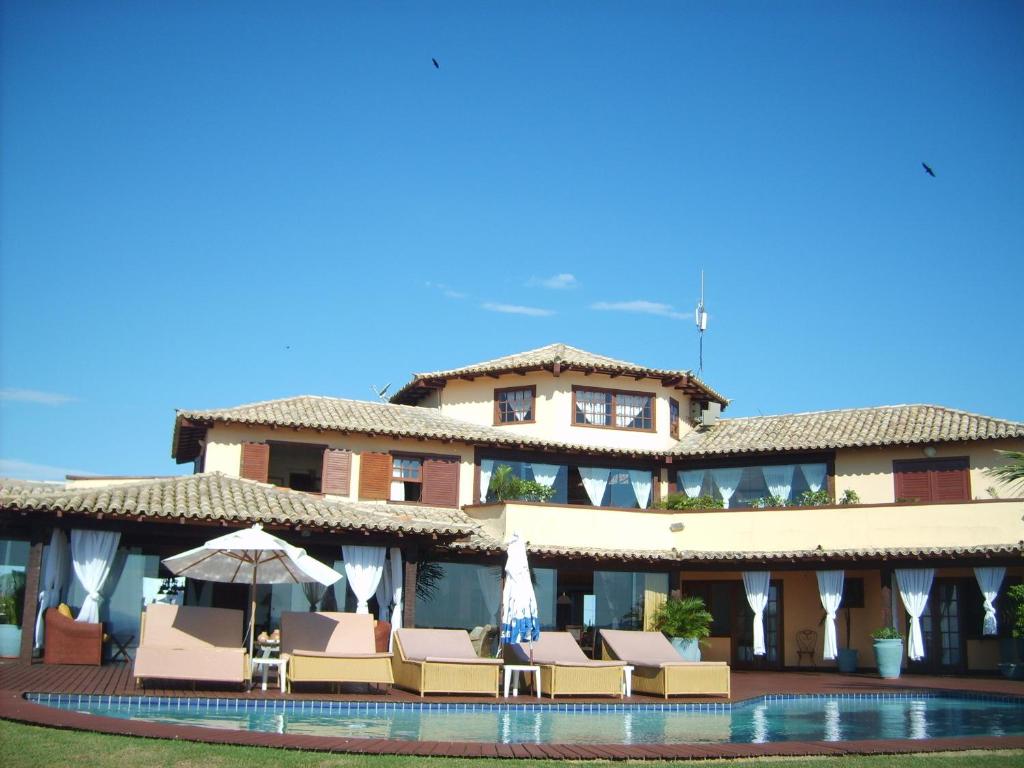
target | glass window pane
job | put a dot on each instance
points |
(462, 596)
(619, 597)
(545, 582)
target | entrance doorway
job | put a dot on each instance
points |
(945, 648)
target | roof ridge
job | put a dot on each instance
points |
(861, 409)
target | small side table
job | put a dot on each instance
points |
(627, 681)
(516, 669)
(120, 643)
(269, 657)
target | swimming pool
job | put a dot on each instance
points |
(768, 719)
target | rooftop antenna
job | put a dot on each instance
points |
(380, 393)
(700, 317)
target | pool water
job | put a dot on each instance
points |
(769, 719)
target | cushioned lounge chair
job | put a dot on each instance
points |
(69, 641)
(565, 669)
(332, 648)
(660, 670)
(442, 661)
(180, 642)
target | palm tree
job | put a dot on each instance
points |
(1011, 474)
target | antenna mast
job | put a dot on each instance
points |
(700, 317)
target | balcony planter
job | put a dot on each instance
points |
(686, 622)
(888, 648)
(847, 660)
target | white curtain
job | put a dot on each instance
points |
(814, 474)
(595, 480)
(756, 585)
(489, 581)
(693, 481)
(92, 552)
(54, 578)
(593, 406)
(727, 480)
(830, 589)
(626, 413)
(397, 490)
(914, 585)
(989, 580)
(314, 592)
(545, 474)
(641, 482)
(779, 480)
(383, 592)
(397, 592)
(486, 468)
(363, 568)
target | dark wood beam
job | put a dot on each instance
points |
(31, 604)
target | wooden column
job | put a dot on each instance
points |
(410, 556)
(31, 607)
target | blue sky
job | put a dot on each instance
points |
(207, 204)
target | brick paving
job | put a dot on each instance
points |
(17, 678)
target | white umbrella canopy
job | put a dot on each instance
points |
(519, 615)
(251, 556)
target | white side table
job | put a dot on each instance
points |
(281, 665)
(627, 681)
(516, 669)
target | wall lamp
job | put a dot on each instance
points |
(676, 527)
(929, 451)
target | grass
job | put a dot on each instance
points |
(25, 746)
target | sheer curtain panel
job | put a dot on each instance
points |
(727, 480)
(595, 481)
(915, 584)
(54, 578)
(693, 481)
(641, 481)
(830, 589)
(397, 591)
(756, 585)
(383, 592)
(545, 474)
(92, 553)
(814, 474)
(486, 468)
(989, 580)
(779, 480)
(363, 567)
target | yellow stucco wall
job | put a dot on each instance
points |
(868, 471)
(474, 401)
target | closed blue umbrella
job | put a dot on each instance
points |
(519, 619)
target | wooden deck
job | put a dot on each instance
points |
(17, 678)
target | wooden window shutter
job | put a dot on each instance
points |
(337, 472)
(374, 476)
(255, 461)
(951, 481)
(441, 481)
(935, 480)
(911, 482)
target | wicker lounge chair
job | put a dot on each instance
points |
(565, 669)
(442, 661)
(179, 642)
(332, 648)
(660, 670)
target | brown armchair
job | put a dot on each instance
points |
(72, 642)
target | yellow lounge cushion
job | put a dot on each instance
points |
(65, 610)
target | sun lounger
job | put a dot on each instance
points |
(178, 642)
(331, 647)
(660, 670)
(442, 661)
(565, 669)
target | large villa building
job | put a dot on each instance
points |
(605, 444)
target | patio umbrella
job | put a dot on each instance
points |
(519, 621)
(251, 556)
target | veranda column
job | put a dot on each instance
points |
(31, 607)
(409, 598)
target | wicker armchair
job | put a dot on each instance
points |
(72, 642)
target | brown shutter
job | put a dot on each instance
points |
(441, 481)
(255, 461)
(935, 480)
(951, 481)
(374, 476)
(911, 481)
(337, 472)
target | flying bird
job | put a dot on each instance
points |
(928, 169)
(436, 65)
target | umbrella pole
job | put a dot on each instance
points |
(252, 610)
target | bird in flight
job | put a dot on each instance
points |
(436, 65)
(928, 169)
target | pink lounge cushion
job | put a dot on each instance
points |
(215, 664)
(423, 644)
(190, 626)
(332, 655)
(664, 664)
(557, 648)
(461, 660)
(331, 633)
(643, 649)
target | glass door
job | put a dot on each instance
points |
(743, 641)
(942, 627)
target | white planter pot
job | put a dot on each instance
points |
(10, 640)
(688, 648)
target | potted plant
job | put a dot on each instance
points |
(12, 597)
(686, 621)
(888, 651)
(1010, 651)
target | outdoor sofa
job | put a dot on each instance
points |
(178, 642)
(69, 641)
(442, 661)
(330, 647)
(659, 669)
(565, 669)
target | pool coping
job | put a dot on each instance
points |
(14, 706)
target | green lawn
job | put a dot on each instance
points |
(27, 746)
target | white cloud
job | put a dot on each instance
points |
(642, 307)
(26, 470)
(35, 396)
(516, 309)
(557, 282)
(446, 290)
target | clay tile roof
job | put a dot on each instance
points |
(545, 358)
(331, 413)
(850, 428)
(217, 497)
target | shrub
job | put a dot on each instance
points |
(508, 487)
(686, 618)
(887, 633)
(682, 501)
